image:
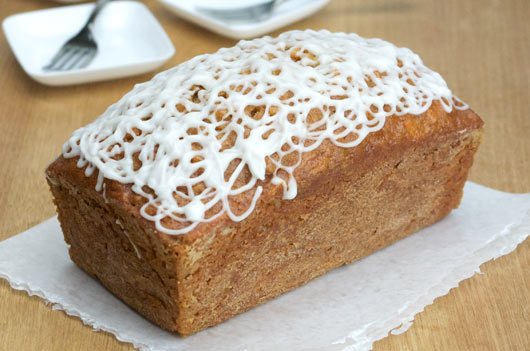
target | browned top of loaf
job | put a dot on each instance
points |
(397, 133)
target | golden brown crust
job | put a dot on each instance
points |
(399, 131)
(351, 202)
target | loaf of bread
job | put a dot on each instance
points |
(238, 176)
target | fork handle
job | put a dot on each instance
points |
(95, 12)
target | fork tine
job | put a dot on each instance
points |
(56, 58)
(228, 15)
(68, 51)
(71, 54)
(75, 59)
(246, 14)
(87, 59)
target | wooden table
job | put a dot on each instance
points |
(482, 48)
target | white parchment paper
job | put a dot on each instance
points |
(346, 309)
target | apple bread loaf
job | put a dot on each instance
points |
(238, 176)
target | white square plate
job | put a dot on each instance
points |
(286, 12)
(130, 41)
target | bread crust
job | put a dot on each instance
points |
(350, 203)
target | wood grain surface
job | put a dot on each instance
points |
(481, 48)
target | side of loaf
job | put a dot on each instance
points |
(351, 202)
(238, 176)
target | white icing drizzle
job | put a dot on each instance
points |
(184, 138)
(104, 193)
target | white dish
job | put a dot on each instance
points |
(285, 13)
(130, 41)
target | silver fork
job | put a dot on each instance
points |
(79, 50)
(251, 13)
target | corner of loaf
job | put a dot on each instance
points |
(238, 176)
